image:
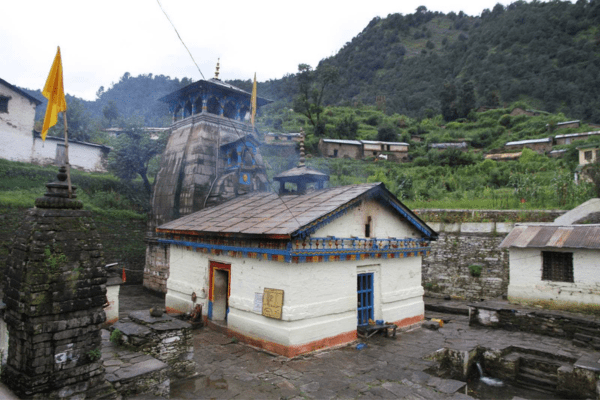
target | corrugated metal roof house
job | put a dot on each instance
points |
(557, 261)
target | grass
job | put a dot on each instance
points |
(22, 183)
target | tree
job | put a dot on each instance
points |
(386, 133)
(466, 99)
(346, 128)
(448, 102)
(311, 88)
(79, 122)
(110, 111)
(133, 152)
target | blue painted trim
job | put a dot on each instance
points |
(210, 306)
(326, 219)
(302, 254)
(244, 250)
(424, 230)
(376, 192)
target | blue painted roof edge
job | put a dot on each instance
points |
(380, 192)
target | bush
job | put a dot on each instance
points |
(475, 270)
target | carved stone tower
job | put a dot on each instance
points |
(211, 156)
(54, 292)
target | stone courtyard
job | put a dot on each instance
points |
(386, 368)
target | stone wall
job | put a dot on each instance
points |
(446, 270)
(122, 240)
(583, 330)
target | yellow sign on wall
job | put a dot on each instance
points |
(272, 303)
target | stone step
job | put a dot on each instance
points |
(583, 337)
(587, 330)
(538, 373)
(448, 307)
(542, 364)
(594, 343)
(535, 382)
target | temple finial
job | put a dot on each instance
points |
(302, 159)
(217, 71)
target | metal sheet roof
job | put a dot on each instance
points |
(379, 142)
(530, 141)
(266, 213)
(572, 135)
(340, 141)
(554, 236)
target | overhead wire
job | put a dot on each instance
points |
(232, 125)
(179, 36)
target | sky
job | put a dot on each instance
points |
(101, 40)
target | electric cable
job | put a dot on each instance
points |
(179, 36)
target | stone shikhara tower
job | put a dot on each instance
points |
(54, 292)
(212, 155)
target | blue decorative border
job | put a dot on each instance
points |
(377, 192)
(300, 255)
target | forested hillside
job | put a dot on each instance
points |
(546, 53)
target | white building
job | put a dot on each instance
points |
(299, 272)
(19, 142)
(17, 116)
(557, 261)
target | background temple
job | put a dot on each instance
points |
(212, 155)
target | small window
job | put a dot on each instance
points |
(4, 104)
(368, 227)
(588, 155)
(557, 266)
(335, 153)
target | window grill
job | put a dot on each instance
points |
(557, 266)
(365, 298)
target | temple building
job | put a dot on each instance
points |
(212, 156)
(301, 270)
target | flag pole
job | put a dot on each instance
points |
(67, 165)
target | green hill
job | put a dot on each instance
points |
(547, 53)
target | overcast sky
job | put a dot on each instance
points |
(102, 40)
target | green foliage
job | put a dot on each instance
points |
(54, 259)
(21, 184)
(110, 111)
(545, 52)
(132, 154)
(387, 133)
(116, 336)
(475, 270)
(94, 355)
(311, 88)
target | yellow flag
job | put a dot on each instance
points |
(55, 93)
(253, 101)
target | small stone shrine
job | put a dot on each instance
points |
(162, 337)
(54, 292)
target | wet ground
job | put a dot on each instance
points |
(386, 368)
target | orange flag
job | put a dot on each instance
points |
(253, 101)
(55, 93)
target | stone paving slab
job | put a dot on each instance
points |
(387, 368)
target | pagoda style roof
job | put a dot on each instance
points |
(213, 86)
(301, 171)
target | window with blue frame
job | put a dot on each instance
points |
(365, 298)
